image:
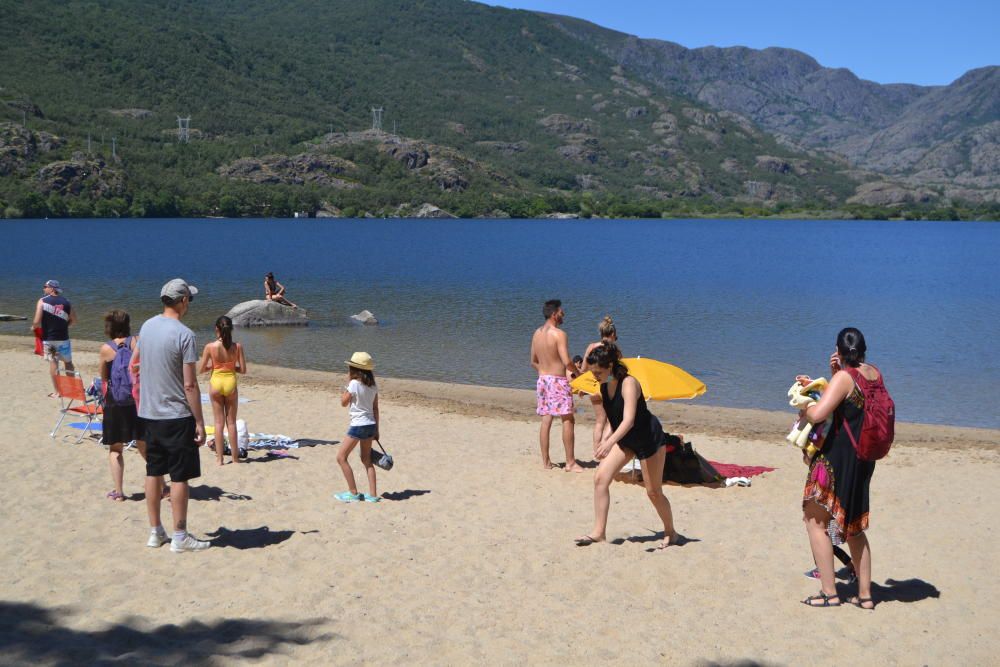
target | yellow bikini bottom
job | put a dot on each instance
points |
(223, 382)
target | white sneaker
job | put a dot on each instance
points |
(190, 543)
(157, 539)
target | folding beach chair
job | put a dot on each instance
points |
(74, 400)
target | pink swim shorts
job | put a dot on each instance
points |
(554, 395)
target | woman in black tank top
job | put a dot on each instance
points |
(635, 432)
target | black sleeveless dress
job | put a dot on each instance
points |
(838, 480)
(646, 435)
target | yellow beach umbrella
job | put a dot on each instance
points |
(659, 381)
(586, 382)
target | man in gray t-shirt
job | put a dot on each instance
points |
(170, 408)
(166, 346)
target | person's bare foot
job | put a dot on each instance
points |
(547, 465)
(587, 540)
(675, 539)
(574, 467)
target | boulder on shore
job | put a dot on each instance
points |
(263, 313)
(365, 317)
(19, 318)
(428, 210)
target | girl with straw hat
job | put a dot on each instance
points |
(361, 398)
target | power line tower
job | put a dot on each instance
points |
(377, 119)
(184, 130)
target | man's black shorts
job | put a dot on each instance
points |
(171, 449)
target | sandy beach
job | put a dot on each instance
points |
(470, 556)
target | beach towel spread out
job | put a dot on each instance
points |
(84, 426)
(735, 470)
(271, 441)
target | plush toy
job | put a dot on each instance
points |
(804, 435)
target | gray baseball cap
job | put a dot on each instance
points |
(178, 288)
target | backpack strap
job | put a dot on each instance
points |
(855, 373)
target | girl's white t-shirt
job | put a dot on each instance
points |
(362, 408)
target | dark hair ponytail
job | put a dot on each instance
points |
(607, 355)
(366, 378)
(225, 327)
(851, 347)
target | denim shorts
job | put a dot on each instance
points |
(366, 432)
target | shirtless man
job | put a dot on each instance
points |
(550, 357)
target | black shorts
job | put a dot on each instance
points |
(171, 449)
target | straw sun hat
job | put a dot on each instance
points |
(362, 360)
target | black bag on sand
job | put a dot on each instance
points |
(686, 466)
(383, 460)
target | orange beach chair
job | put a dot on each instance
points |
(74, 400)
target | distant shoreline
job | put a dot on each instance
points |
(831, 215)
(519, 405)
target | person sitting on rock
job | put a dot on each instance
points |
(275, 291)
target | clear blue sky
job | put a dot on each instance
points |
(889, 41)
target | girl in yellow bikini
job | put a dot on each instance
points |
(225, 359)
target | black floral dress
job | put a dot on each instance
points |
(838, 480)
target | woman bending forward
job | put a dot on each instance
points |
(635, 432)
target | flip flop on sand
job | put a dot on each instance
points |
(586, 541)
(114, 495)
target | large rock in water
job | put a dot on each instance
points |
(366, 318)
(263, 313)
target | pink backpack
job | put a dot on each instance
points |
(878, 425)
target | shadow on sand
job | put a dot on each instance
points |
(205, 492)
(653, 537)
(313, 442)
(271, 456)
(404, 495)
(248, 538)
(909, 590)
(33, 634)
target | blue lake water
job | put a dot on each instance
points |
(744, 305)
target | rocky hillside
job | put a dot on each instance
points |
(944, 136)
(487, 111)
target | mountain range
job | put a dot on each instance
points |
(945, 136)
(485, 111)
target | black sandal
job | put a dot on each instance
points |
(824, 597)
(860, 603)
(585, 541)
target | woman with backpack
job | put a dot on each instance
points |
(835, 500)
(121, 419)
(225, 359)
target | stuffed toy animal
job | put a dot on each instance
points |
(804, 435)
